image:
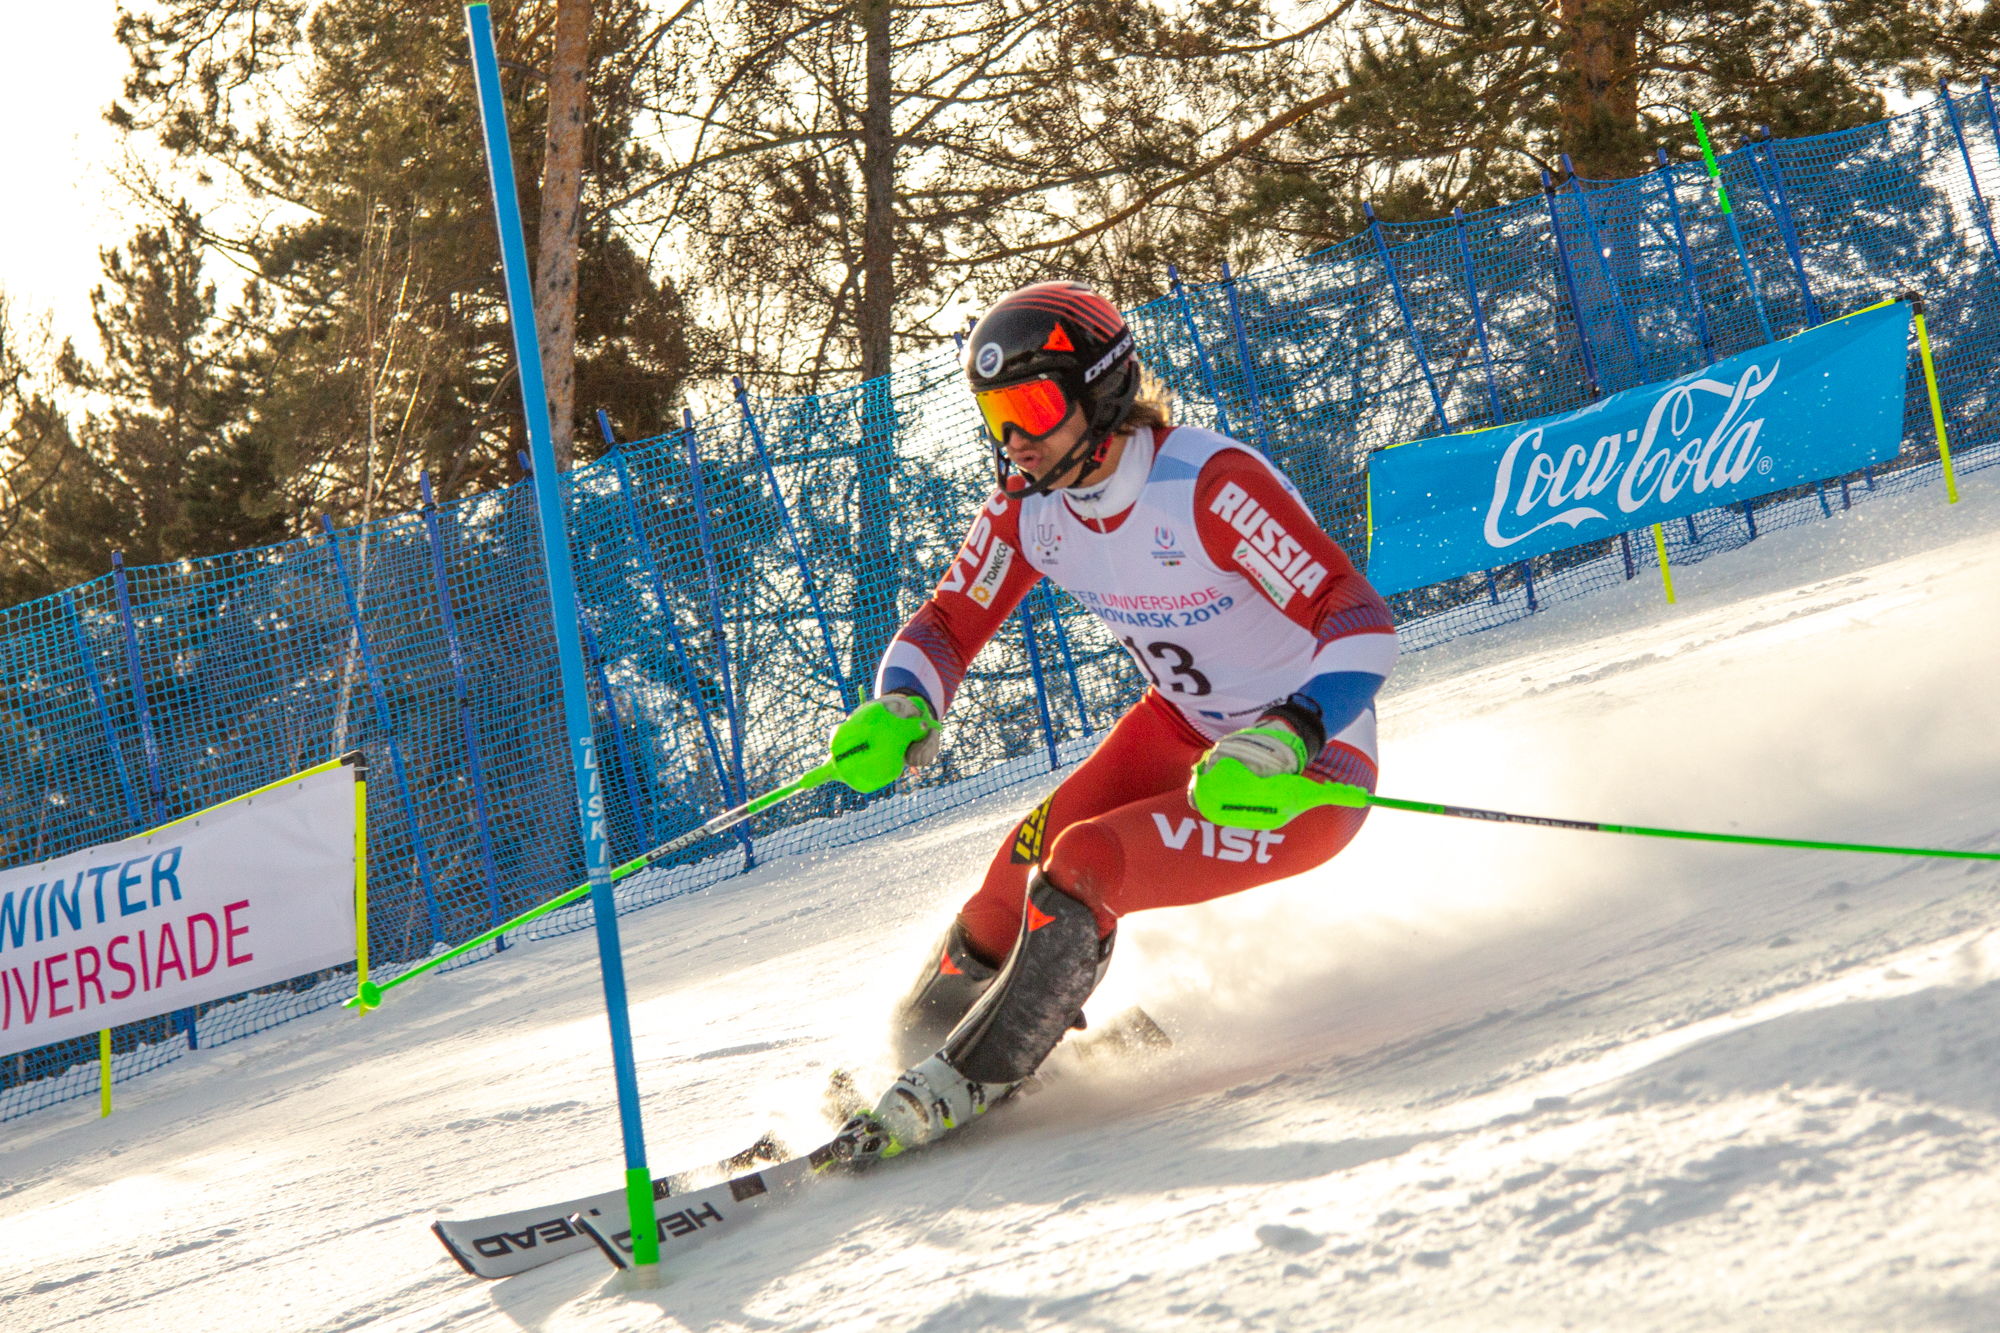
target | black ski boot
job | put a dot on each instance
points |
(952, 981)
(1022, 1016)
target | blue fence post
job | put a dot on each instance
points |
(1528, 582)
(155, 785)
(422, 850)
(1604, 267)
(1750, 519)
(1403, 308)
(714, 585)
(1492, 589)
(1992, 116)
(1688, 279)
(798, 551)
(1742, 256)
(1200, 356)
(1693, 536)
(690, 684)
(1478, 315)
(1041, 687)
(1965, 155)
(1631, 565)
(461, 694)
(1569, 285)
(1069, 662)
(103, 714)
(1780, 208)
(111, 741)
(1243, 357)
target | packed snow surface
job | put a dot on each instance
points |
(1463, 1077)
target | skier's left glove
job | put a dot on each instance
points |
(882, 738)
(1268, 749)
(1254, 778)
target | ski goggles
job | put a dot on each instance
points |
(1035, 408)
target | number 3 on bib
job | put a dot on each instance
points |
(1183, 678)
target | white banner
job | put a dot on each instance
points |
(253, 891)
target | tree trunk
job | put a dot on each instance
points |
(878, 175)
(562, 190)
(1599, 106)
(875, 571)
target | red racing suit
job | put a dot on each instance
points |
(1200, 558)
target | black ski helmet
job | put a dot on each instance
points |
(1066, 333)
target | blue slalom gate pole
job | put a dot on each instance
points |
(569, 648)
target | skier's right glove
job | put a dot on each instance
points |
(882, 738)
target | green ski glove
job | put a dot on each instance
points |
(883, 737)
(1255, 779)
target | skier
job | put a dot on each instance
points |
(1264, 648)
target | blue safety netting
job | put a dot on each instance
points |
(739, 579)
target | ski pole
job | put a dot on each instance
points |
(370, 993)
(1243, 801)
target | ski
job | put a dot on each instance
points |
(510, 1243)
(705, 1214)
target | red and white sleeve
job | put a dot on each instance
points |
(985, 581)
(1251, 522)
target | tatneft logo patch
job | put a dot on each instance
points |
(989, 359)
(1270, 554)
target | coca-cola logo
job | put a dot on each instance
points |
(1542, 482)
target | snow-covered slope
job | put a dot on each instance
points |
(1463, 1077)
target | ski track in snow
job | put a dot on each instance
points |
(1463, 1077)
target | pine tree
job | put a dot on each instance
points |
(37, 450)
(151, 479)
(376, 297)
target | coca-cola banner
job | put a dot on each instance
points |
(254, 891)
(1815, 405)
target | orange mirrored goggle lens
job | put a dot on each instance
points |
(1035, 409)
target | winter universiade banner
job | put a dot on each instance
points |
(1817, 404)
(251, 892)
